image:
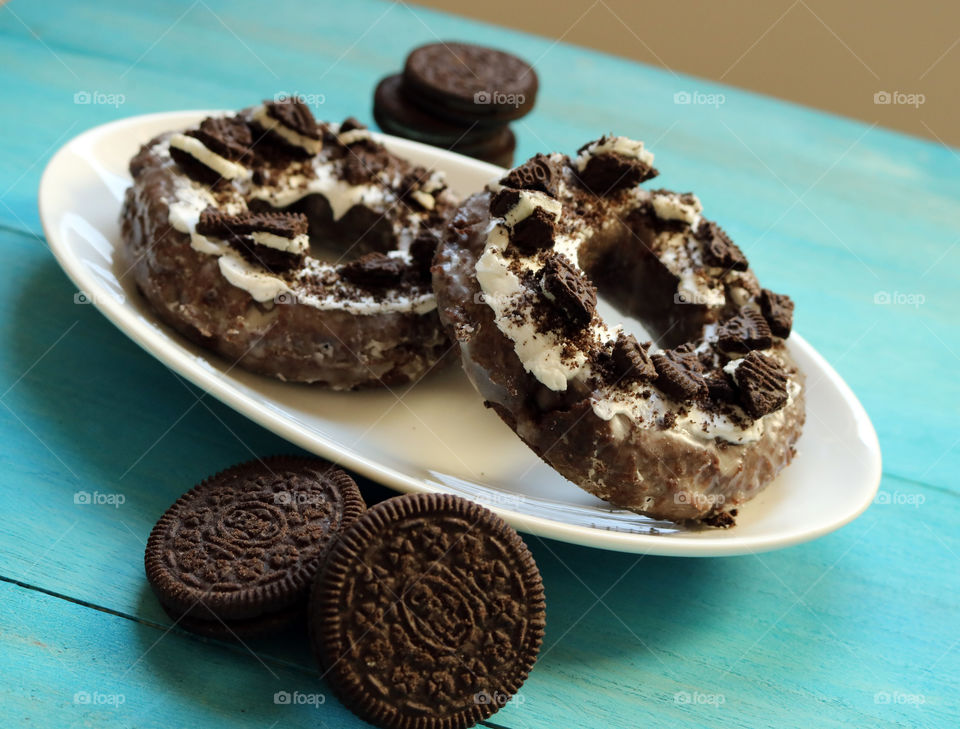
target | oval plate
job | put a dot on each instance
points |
(437, 436)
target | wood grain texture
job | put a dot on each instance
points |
(830, 211)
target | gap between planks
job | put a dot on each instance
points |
(160, 626)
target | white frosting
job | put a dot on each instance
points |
(254, 280)
(353, 136)
(204, 155)
(671, 206)
(425, 199)
(190, 199)
(425, 195)
(298, 244)
(502, 291)
(623, 146)
(309, 144)
(529, 201)
(339, 193)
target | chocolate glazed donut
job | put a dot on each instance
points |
(223, 227)
(685, 429)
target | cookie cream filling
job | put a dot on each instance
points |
(308, 144)
(353, 136)
(204, 155)
(298, 244)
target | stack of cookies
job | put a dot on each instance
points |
(460, 97)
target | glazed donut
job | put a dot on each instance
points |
(685, 429)
(295, 249)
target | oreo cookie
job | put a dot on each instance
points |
(429, 613)
(680, 374)
(537, 173)
(629, 360)
(374, 271)
(276, 240)
(569, 290)
(762, 384)
(219, 149)
(718, 249)
(235, 556)
(778, 311)
(470, 84)
(744, 332)
(396, 114)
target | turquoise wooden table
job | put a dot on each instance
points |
(857, 223)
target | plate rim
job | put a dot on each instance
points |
(173, 355)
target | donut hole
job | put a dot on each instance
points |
(357, 232)
(635, 288)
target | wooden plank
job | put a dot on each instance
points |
(68, 665)
(818, 634)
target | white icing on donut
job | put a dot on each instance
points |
(308, 144)
(192, 198)
(204, 155)
(529, 201)
(623, 146)
(339, 193)
(503, 292)
(672, 206)
(541, 353)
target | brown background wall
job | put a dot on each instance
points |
(830, 54)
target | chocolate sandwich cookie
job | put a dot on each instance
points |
(497, 150)
(397, 115)
(429, 613)
(470, 84)
(235, 555)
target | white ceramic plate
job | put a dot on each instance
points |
(438, 436)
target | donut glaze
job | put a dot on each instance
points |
(686, 428)
(345, 303)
